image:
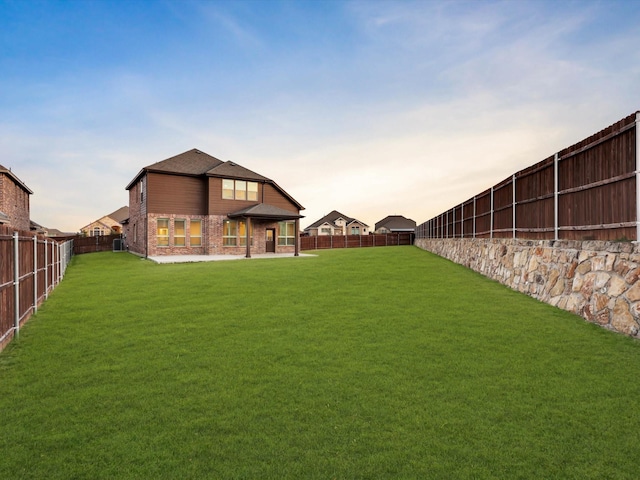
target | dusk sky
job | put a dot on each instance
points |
(370, 108)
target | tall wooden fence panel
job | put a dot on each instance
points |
(30, 267)
(320, 242)
(101, 243)
(588, 191)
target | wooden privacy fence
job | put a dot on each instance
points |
(101, 243)
(30, 268)
(318, 242)
(588, 191)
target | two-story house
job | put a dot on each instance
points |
(196, 204)
(335, 223)
(14, 201)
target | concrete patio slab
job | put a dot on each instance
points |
(216, 258)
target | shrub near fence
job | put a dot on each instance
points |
(30, 267)
(319, 242)
(588, 191)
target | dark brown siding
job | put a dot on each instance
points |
(274, 197)
(176, 194)
(267, 193)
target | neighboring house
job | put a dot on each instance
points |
(395, 224)
(335, 223)
(196, 204)
(107, 225)
(14, 201)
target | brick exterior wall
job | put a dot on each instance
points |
(135, 232)
(14, 202)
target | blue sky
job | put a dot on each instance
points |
(369, 107)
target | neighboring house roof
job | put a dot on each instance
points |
(17, 181)
(120, 215)
(331, 218)
(396, 223)
(198, 163)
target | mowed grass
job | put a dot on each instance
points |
(380, 363)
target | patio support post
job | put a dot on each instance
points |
(248, 236)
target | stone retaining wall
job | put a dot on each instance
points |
(596, 280)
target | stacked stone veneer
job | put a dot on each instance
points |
(596, 280)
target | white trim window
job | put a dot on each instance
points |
(195, 233)
(162, 232)
(286, 233)
(180, 232)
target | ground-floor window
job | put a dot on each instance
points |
(234, 233)
(179, 232)
(162, 232)
(286, 233)
(195, 233)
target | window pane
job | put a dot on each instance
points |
(241, 190)
(252, 191)
(162, 233)
(179, 233)
(229, 233)
(195, 233)
(227, 189)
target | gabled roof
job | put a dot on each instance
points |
(396, 222)
(331, 218)
(15, 179)
(120, 215)
(197, 163)
(192, 162)
(233, 170)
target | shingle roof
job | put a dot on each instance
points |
(193, 162)
(121, 214)
(396, 222)
(264, 210)
(332, 217)
(233, 170)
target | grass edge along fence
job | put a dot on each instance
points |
(31, 266)
(320, 242)
(588, 191)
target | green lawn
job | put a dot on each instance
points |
(381, 363)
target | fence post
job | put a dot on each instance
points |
(16, 283)
(46, 269)
(35, 273)
(637, 177)
(555, 196)
(474, 216)
(513, 182)
(491, 216)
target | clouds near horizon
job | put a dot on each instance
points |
(368, 107)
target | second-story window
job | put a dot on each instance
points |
(239, 190)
